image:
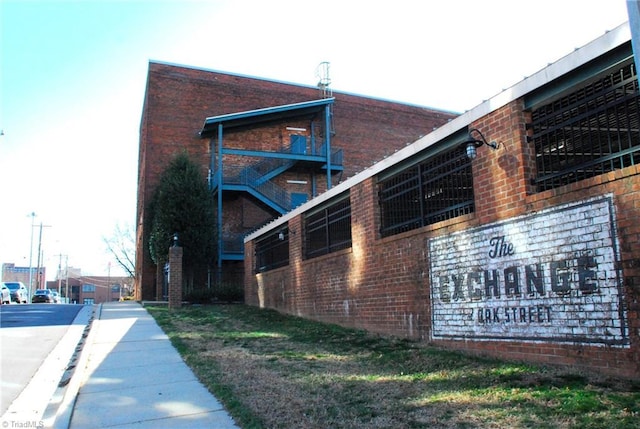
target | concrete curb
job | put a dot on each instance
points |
(60, 409)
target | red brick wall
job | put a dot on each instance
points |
(178, 99)
(377, 284)
(383, 285)
(500, 178)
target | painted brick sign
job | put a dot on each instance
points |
(550, 276)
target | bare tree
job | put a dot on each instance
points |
(122, 246)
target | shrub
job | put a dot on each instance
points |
(223, 292)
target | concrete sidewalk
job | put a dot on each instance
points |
(129, 374)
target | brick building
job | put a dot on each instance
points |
(264, 146)
(80, 289)
(32, 277)
(526, 247)
(91, 290)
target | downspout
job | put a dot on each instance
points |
(314, 187)
(212, 165)
(633, 10)
(327, 136)
(220, 187)
(212, 162)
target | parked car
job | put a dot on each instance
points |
(19, 292)
(43, 295)
(6, 295)
(56, 297)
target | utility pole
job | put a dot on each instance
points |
(33, 215)
(66, 280)
(59, 275)
(39, 276)
(109, 281)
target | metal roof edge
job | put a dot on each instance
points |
(577, 58)
(268, 110)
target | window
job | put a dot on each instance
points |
(88, 301)
(591, 131)
(88, 288)
(328, 229)
(436, 189)
(272, 250)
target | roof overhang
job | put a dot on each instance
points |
(261, 116)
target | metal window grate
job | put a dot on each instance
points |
(437, 189)
(328, 230)
(591, 131)
(272, 251)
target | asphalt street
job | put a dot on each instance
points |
(28, 334)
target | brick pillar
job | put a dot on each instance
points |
(175, 277)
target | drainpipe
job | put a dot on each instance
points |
(633, 9)
(220, 186)
(327, 136)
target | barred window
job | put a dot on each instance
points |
(328, 229)
(272, 250)
(591, 131)
(437, 189)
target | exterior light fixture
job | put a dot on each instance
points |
(282, 236)
(473, 143)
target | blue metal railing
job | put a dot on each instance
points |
(336, 156)
(257, 176)
(233, 243)
(247, 176)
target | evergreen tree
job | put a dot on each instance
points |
(183, 205)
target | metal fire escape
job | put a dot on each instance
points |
(255, 177)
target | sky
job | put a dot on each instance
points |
(73, 76)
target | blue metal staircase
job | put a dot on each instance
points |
(256, 178)
(303, 153)
(249, 180)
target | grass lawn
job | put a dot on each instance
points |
(276, 371)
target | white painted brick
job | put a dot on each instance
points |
(552, 238)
